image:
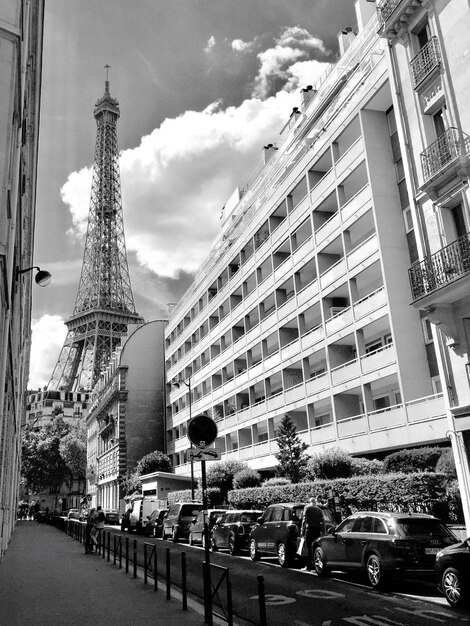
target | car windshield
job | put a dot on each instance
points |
(414, 526)
(250, 516)
(187, 509)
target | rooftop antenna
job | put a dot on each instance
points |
(107, 68)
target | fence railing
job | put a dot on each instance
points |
(217, 585)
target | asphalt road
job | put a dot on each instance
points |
(298, 598)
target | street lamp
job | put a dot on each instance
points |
(178, 384)
(43, 277)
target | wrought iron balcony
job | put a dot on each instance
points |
(395, 13)
(443, 151)
(440, 268)
(427, 59)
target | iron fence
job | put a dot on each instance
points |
(441, 152)
(427, 59)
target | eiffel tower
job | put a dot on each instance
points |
(105, 305)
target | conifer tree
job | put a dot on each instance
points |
(291, 456)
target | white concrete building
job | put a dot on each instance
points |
(303, 305)
(428, 47)
(126, 417)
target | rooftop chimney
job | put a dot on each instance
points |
(345, 38)
(269, 150)
(307, 94)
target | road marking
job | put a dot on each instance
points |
(367, 620)
(275, 600)
(321, 594)
(298, 622)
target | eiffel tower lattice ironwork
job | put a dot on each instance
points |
(105, 305)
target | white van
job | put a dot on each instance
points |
(141, 509)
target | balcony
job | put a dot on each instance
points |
(445, 159)
(425, 62)
(394, 14)
(441, 268)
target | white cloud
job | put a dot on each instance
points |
(210, 45)
(176, 181)
(293, 45)
(238, 45)
(48, 335)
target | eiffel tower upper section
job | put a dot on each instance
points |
(105, 305)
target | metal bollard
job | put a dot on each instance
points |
(262, 601)
(109, 547)
(120, 553)
(127, 555)
(145, 563)
(103, 543)
(114, 549)
(155, 571)
(168, 581)
(135, 557)
(184, 588)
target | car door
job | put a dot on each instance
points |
(335, 545)
(274, 528)
(261, 532)
(225, 530)
(358, 540)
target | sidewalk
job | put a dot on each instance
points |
(46, 578)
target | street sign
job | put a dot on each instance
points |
(204, 454)
(202, 431)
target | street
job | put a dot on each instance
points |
(301, 598)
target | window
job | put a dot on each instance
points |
(363, 525)
(436, 384)
(277, 514)
(347, 525)
(407, 218)
(379, 526)
(381, 403)
(427, 330)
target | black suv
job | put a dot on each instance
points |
(382, 544)
(232, 530)
(278, 531)
(453, 573)
(196, 533)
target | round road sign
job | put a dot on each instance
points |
(202, 431)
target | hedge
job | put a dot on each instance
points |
(420, 492)
(213, 496)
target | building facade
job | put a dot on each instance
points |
(126, 417)
(427, 47)
(21, 42)
(304, 304)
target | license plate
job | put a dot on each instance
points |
(431, 550)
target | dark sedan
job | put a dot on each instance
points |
(382, 544)
(232, 530)
(453, 573)
(196, 534)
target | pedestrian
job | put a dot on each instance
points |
(99, 518)
(312, 522)
(90, 522)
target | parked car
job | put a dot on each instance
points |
(232, 530)
(382, 544)
(278, 531)
(111, 517)
(154, 526)
(196, 532)
(140, 512)
(177, 522)
(453, 573)
(73, 514)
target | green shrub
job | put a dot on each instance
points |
(246, 478)
(332, 463)
(394, 492)
(221, 475)
(446, 464)
(184, 495)
(413, 460)
(276, 481)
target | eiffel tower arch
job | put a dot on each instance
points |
(104, 307)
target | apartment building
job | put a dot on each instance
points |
(427, 47)
(304, 303)
(126, 417)
(21, 43)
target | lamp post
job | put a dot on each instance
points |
(43, 277)
(177, 384)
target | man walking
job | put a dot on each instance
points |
(312, 522)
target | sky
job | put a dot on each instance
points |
(202, 86)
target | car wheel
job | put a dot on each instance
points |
(374, 572)
(452, 587)
(283, 556)
(190, 539)
(319, 562)
(174, 536)
(254, 554)
(212, 544)
(232, 545)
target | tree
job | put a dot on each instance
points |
(154, 462)
(130, 483)
(291, 456)
(221, 475)
(53, 455)
(329, 464)
(246, 478)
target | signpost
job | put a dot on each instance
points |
(202, 432)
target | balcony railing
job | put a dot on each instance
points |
(441, 152)
(427, 59)
(441, 268)
(386, 8)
